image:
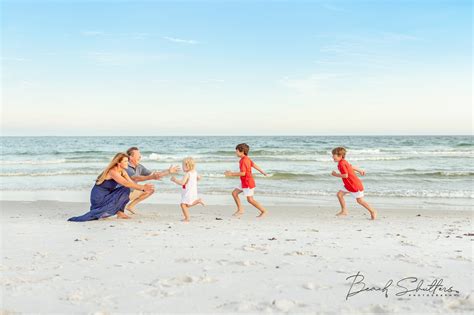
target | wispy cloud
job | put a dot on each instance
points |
(369, 39)
(181, 41)
(134, 35)
(138, 35)
(376, 49)
(119, 59)
(212, 81)
(390, 36)
(331, 7)
(93, 33)
(15, 59)
(311, 84)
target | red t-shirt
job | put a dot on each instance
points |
(245, 165)
(352, 183)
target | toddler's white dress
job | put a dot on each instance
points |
(189, 193)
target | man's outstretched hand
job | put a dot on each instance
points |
(173, 169)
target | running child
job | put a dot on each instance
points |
(189, 193)
(352, 183)
(247, 183)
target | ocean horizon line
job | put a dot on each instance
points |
(231, 135)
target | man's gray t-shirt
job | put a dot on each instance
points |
(140, 170)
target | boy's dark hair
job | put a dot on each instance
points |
(130, 150)
(243, 147)
(339, 151)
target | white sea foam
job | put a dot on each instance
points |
(419, 167)
(32, 162)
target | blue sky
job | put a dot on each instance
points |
(236, 67)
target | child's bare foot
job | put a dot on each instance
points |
(131, 209)
(238, 213)
(185, 220)
(262, 214)
(200, 202)
(341, 213)
(121, 215)
(373, 214)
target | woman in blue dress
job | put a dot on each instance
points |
(111, 191)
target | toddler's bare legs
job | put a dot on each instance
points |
(254, 203)
(185, 209)
(235, 194)
(363, 203)
(198, 202)
(340, 197)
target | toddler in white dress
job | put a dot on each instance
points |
(189, 193)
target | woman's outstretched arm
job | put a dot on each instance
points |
(125, 180)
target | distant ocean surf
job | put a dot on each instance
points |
(397, 166)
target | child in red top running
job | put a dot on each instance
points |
(247, 183)
(352, 183)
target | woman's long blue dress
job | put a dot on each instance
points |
(107, 199)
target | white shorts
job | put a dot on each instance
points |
(248, 192)
(358, 194)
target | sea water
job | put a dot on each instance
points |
(426, 168)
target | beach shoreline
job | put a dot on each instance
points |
(295, 260)
(167, 198)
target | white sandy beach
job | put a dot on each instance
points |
(296, 260)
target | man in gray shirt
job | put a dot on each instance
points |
(140, 173)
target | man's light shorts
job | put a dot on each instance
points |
(358, 194)
(248, 192)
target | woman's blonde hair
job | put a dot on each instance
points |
(189, 163)
(115, 161)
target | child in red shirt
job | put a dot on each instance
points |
(352, 183)
(247, 183)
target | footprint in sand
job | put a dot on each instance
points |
(75, 297)
(181, 281)
(171, 286)
(89, 258)
(461, 258)
(153, 234)
(280, 305)
(283, 305)
(379, 308)
(254, 247)
(190, 260)
(459, 304)
(154, 292)
(301, 253)
(245, 263)
(40, 255)
(404, 257)
(406, 243)
(223, 262)
(309, 286)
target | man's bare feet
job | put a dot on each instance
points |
(131, 209)
(121, 215)
(341, 213)
(262, 214)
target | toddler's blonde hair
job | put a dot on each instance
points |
(189, 163)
